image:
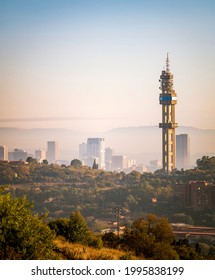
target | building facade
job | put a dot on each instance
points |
(52, 154)
(197, 194)
(119, 162)
(182, 151)
(83, 153)
(168, 100)
(3, 153)
(96, 151)
(18, 155)
(40, 155)
(109, 152)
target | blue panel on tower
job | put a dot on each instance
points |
(167, 98)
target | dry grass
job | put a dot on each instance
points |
(74, 251)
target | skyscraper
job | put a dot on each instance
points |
(3, 153)
(83, 153)
(19, 154)
(182, 151)
(119, 162)
(168, 100)
(40, 155)
(96, 150)
(52, 151)
(108, 158)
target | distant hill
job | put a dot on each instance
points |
(148, 138)
(141, 142)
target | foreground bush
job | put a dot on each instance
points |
(23, 236)
(75, 230)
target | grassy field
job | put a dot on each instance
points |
(73, 251)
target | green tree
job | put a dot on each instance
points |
(31, 160)
(150, 237)
(110, 240)
(23, 236)
(185, 250)
(95, 165)
(60, 226)
(132, 202)
(206, 163)
(75, 230)
(76, 163)
(78, 230)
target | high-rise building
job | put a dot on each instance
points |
(182, 151)
(96, 151)
(40, 155)
(168, 100)
(52, 151)
(19, 154)
(108, 158)
(155, 165)
(119, 162)
(83, 153)
(3, 153)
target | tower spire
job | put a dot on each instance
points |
(167, 62)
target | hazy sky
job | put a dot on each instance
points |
(95, 65)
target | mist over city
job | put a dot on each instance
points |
(142, 144)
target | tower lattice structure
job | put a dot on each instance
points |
(168, 100)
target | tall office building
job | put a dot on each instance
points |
(108, 158)
(19, 154)
(182, 151)
(3, 153)
(83, 153)
(52, 151)
(40, 155)
(168, 100)
(119, 163)
(96, 150)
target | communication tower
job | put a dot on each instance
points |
(168, 100)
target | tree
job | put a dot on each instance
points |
(23, 236)
(110, 240)
(95, 165)
(78, 230)
(150, 237)
(76, 163)
(206, 163)
(60, 226)
(31, 160)
(185, 250)
(75, 230)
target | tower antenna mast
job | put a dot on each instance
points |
(167, 63)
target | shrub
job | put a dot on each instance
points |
(23, 236)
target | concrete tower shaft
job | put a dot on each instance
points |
(168, 100)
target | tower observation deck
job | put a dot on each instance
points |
(168, 100)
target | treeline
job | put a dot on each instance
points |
(20, 172)
(60, 190)
(27, 236)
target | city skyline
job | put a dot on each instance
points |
(95, 65)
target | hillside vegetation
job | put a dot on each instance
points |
(46, 210)
(26, 236)
(60, 190)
